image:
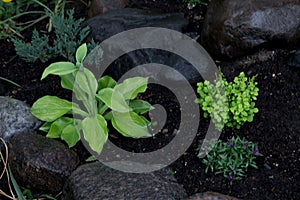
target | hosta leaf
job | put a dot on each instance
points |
(81, 53)
(70, 135)
(130, 125)
(106, 82)
(45, 127)
(59, 68)
(67, 81)
(95, 132)
(140, 106)
(131, 87)
(58, 126)
(113, 99)
(86, 80)
(49, 108)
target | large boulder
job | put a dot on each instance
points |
(15, 117)
(116, 21)
(96, 181)
(39, 162)
(233, 28)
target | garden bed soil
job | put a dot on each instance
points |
(275, 128)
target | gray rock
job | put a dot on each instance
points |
(101, 6)
(211, 196)
(39, 162)
(96, 181)
(15, 117)
(116, 21)
(234, 28)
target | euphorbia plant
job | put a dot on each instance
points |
(234, 108)
(103, 100)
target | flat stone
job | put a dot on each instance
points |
(234, 28)
(15, 117)
(39, 162)
(97, 181)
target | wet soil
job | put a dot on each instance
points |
(276, 128)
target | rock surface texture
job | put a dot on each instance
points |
(294, 59)
(96, 181)
(211, 196)
(101, 6)
(39, 162)
(116, 21)
(234, 28)
(15, 117)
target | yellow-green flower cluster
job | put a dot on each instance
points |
(6, 1)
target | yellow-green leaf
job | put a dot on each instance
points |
(49, 108)
(95, 132)
(59, 68)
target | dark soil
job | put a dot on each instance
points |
(275, 128)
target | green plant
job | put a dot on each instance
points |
(232, 158)
(193, 3)
(66, 40)
(103, 100)
(234, 108)
(12, 11)
(9, 81)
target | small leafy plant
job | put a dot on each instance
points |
(68, 36)
(12, 12)
(103, 100)
(231, 158)
(234, 108)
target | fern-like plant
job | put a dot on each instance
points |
(68, 35)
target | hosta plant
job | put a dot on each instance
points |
(100, 101)
(229, 103)
(232, 158)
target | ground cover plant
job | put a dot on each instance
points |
(232, 158)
